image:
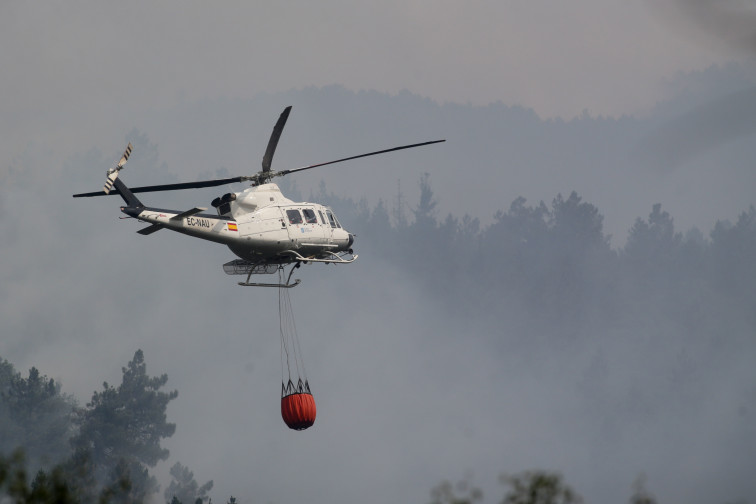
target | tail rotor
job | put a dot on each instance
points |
(113, 172)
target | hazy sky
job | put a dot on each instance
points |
(399, 387)
(102, 61)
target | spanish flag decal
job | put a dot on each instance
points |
(232, 226)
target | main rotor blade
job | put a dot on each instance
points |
(273, 142)
(285, 172)
(169, 187)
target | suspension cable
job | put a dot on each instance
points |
(290, 343)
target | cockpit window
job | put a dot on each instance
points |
(309, 216)
(294, 216)
(322, 219)
(332, 219)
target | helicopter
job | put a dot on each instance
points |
(265, 230)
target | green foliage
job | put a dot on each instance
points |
(652, 245)
(121, 428)
(733, 268)
(119, 435)
(529, 487)
(538, 487)
(424, 213)
(464, 492)
(184, 487)
(128, 421)
(34, 415)
(640, 494)
(46, 488)
(552, 269)
(60, 486)
(576, 223)
(7, 372)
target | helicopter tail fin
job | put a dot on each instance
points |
(126, 194)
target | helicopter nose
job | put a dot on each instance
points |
(351, 240)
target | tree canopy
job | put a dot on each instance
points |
(34, 415)
(121, 428)
(101, 452)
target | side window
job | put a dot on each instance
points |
(294, 216)
(322, 219)
(309, 216)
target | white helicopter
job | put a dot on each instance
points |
(266, 230)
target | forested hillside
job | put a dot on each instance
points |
(554, 267)
(549, 268)
(570, 295)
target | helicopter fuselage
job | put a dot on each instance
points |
(258, 225)
(263, 228)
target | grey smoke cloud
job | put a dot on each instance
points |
(732, 22)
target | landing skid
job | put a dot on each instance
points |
(287, 285)
(286, 258)
(284, 286)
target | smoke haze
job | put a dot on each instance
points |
(458, 343)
